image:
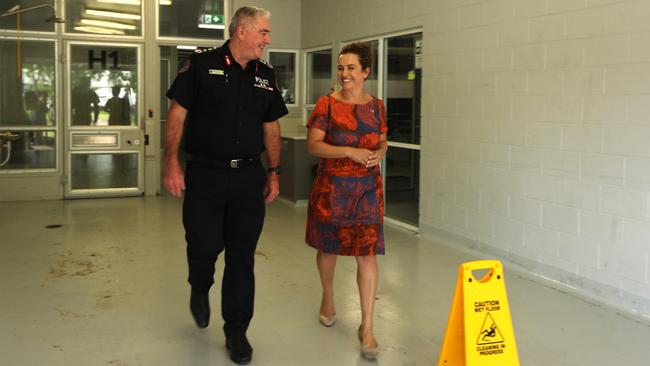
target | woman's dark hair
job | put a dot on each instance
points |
(362, 50)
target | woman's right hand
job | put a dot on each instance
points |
(361, 156)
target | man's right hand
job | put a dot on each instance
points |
(174, 179)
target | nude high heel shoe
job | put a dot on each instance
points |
(367, 352)
(327, 321)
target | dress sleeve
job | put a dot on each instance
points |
(383, 127)
(319, 116)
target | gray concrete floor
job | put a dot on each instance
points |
(108, 288)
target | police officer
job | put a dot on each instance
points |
(232, 105)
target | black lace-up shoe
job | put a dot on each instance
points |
(200, 308)
(239, 349)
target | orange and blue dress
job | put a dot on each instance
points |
(346, 205)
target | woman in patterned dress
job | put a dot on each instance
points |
(347, 130)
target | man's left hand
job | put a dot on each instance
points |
(272, 188)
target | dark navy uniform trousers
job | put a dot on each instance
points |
(223, 210)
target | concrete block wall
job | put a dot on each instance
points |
(535, 130)
(543, 106)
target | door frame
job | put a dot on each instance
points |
(382, 68)
(396, 144)
(137, 132)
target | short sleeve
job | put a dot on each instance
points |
(183, 88)
(383, 127)
(319, 117)
(277, 108)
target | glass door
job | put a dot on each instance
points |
(402, 96)
(28, 118)
(104, 137)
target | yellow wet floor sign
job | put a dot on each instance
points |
(479, 330)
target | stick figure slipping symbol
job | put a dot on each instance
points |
(489, 333)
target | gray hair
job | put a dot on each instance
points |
(243, 15)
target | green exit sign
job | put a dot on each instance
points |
(212, 19)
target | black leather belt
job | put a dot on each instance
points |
(229, 164)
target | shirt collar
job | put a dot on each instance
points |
(229, 59)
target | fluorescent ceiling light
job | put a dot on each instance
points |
(107, 24)
(98, 30)
(127, 2)
(165, 2)
(212, 26)
(186, 47)
(13, 8)
(113, 14)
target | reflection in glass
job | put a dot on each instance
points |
(193, 19)
(32, 20)
(104, 17)
(284, 67)
(102, 171)
(402, 176)
(319, 75)
(85, 103)
(403, 89)
(104, 81)
(171, 60)
(27, 150)
(27, 93)
(370, 85)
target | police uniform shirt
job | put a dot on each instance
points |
(226, 104)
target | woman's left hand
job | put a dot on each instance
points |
(375, 158)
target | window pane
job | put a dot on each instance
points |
(101, 171)
(171, 60)
(104, 82)
(403, 89)
(194, 19)
(319, 74)
(116, 17)
(403, 184)
(27, 150)
(27, 93)
(370, 85)
(30, 20)
(284, 66)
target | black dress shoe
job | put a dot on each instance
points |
(239, 349)
(200, 308)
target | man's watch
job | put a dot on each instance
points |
(274, 169)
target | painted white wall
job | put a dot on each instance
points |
(535, 130)
(285, 20)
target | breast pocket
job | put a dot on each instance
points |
(214, 87)
(261, 100)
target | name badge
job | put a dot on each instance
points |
(215, 72)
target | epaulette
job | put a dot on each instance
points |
(201, 50)
(266, 63)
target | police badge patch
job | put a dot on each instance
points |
(185, 67)
(262, 84)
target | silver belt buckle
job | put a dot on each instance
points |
(234, 163)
